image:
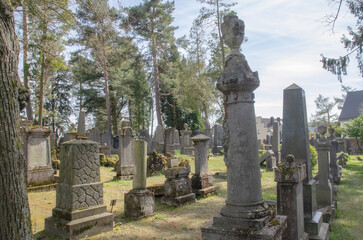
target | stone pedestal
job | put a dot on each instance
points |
(79, 210)
(37, 155)
(245, 215)
(139, 202)
(177, 187)
(289, 175)
(202, 182)
(295, 140)
(125, 166)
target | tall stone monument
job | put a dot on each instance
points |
(37, 154)
(289, 174)
(295, 141)
(202, 182)
(169, 140)
(245, 215)
(125, 165)
(79, 210)
(276, 141)
(186, 145)
(139, 202)
(218, 136)
(324, 189)
(159, 139)
(176, 140)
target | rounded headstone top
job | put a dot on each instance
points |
(200, 137)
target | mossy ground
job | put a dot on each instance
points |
(184, 222)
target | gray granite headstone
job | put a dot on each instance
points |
(276, 141)
(218, 136)
(94, 135)
(125, 166)
(159, 139)
(107, 139)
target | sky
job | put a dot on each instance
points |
(285, 40)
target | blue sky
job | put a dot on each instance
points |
(285, 40)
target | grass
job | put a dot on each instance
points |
(184, 222)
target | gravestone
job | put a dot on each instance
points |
(126, 163)
(334, 167)
(139, 202)
(186, 145)
(70, 136)
(177, 187)
(144, 135)
(37, 154)
(218, 136)
(94, 135)
(208, 132)
(290, 174)
(202, 182)
(159, 139)
(245, 215)
(324, 189)
(295, 141)
(176, 140)
(276, 141)
(79, 210)
(107, 139)
(169, 140)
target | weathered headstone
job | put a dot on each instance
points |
(276, 141)
(70, 136)
(208, 132)
(125, 166)
(139, 202)
(295, 141)
(245, 215)
(107, 139)
(159, 139)
(176, 140)
(186, 145)
(37, 155)
(177, 187)
(290, 174)
(202, 181)
(94, 135)
(169, 140)
(324, 189)
(218, 136)
(144, 135)
(79, 210)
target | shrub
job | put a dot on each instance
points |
(313, 156)
(156, 163)
(109, 161)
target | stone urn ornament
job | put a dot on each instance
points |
(322, 131)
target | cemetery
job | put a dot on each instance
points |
(173, 159)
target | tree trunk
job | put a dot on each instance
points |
(42, 80)
(14, 209)
(220, 34)
(156, 75)
(29, 109)
(107, 93)
(113, 106)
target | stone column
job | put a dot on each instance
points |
(295, 140)
(289, 174)
(245, 215)
(276, 141)
(139, 202)
(79, 210)
(324, 190)
(125, 166)
(202, 182)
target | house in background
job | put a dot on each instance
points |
(352, 108)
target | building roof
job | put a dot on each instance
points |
(353, 106)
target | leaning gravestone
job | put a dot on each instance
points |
(37, 155)
(126, 163)
(202, 182)
(139, 202)
(218, 136)
(79, 210)
(245, 215)
(295, 141)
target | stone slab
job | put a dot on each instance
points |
(323, 233)
(157, 189)
(80, 228)
(206, 192)
(272, 231)
(178, 201)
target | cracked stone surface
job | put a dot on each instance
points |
(79, 185)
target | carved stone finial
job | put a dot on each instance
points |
(233, 30)
(322, 131)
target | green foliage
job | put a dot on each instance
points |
(354, 128)
(324, 108)
(313, 156)
(109, 161)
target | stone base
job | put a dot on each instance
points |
(128, 177)
(323, 233)
(40, 175)
(217, 149)
(157, 189)
(124, 170)
(139, 203)
(178, 201)
(316, 228)
(206, 192)
(272, 230)
(187, 151)
(80, 223)
(324, 195)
